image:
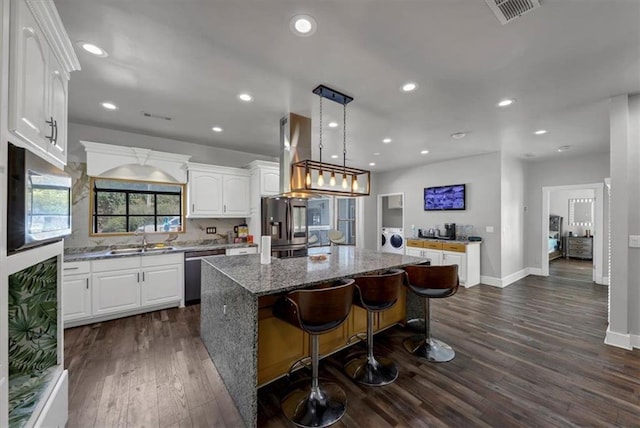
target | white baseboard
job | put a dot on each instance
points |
(635, 340)
(507, 280)
(620, 340)
(604, 280)
(490, 280)
(535, 271)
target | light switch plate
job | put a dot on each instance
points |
(634, 241)
(489, 229)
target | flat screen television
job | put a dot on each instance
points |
(445, 198)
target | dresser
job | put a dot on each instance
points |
(579, 247)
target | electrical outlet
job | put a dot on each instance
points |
(211, 230)
(489, 229)
(634, 241)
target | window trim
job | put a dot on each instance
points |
(92, 198)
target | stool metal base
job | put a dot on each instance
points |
(321, 406)
(434, 350)
(376, 371)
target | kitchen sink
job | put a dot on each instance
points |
(126, 251)
(150, 250)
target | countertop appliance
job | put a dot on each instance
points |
(193, 273)
(285, 220)
(449, 231)
(38, 201)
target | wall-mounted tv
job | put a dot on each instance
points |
(444, 198)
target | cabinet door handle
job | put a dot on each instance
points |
(193, 207)
(225, 208)
(87, 281)
(138, 276)
(50, 123)
(143, 277)
(55, 133)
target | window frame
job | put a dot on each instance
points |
(93, 215)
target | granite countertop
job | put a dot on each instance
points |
(85, 254)
(457, 241)
(288, 274)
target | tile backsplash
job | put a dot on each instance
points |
(195, 229)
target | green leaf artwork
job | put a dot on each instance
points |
(33, 337)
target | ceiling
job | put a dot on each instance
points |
(189, 60)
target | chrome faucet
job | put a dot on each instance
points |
(144, 238)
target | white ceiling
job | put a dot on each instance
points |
(190, 59)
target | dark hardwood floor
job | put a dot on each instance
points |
(531, 354)
(576, 269)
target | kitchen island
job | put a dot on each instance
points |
(234, 289)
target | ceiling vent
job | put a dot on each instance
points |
(508, 10)
(155, 116)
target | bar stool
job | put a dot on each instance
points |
(431, 282)
(375, 293)
(316, 311)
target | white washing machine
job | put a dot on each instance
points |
(392, 240)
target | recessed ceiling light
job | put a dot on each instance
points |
(333, 124)
(563, 148)
(216, 129)
(107, 105)
(376, 154)
(94, 49)
(386, 140)
(372, 164)
(245, 97)
(303, 25)
(424, 152)
(458, 135)
(506, 102)
(334, 156)
(409, 86)
(540, 132)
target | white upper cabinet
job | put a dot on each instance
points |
(28, 78)
(214, 191)
(58, 110)
(205, 194)
(40, 61)
(235, 190)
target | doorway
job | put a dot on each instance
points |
(573, 232)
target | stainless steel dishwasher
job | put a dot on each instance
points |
(193, 273)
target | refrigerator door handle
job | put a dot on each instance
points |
(289, 221)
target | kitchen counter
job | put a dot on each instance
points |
(231, 288)
(457, 241)
(104, 253)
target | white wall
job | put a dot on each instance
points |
(512, 216)
(559, 205)
(624, 327)
(200, 153)
(481, 174)
(566, 170)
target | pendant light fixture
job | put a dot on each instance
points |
(355, 181)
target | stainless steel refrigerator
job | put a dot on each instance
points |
(285, 220)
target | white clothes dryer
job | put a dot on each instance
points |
(392, 240)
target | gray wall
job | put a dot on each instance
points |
(625, 215)
(199, 153)
(566, 170)
(392, 217)
(481, 174)
(512, 215)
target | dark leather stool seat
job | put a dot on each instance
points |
(316, 311)
(375, 293)
(431, 282)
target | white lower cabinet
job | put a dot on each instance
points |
(110, 288)
(76, 291)
(115, 291)
(465, 255)
(160, 284)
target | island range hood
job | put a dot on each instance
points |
(303, 177)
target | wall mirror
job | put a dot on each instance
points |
(581, 212)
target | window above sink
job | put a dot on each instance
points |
(128, 207)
